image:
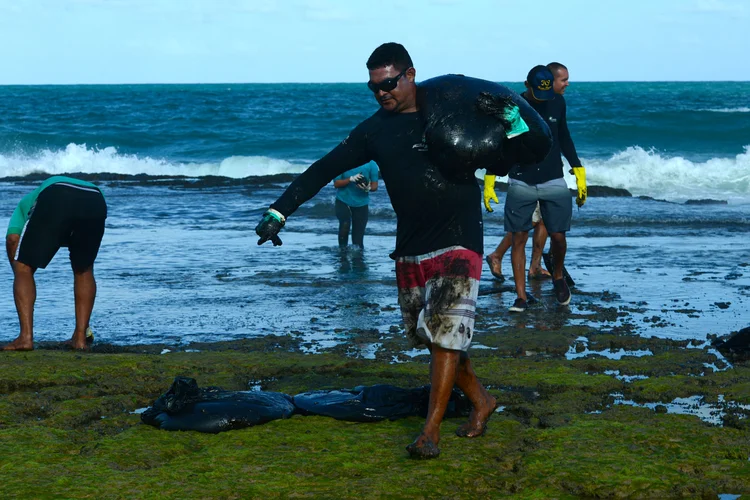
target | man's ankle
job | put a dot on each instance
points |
(26, 336)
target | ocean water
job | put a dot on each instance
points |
(179, 260)
(670, 141)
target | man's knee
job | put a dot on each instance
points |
(19, 268)
(558, 244)
(83, 271)
(519, 239)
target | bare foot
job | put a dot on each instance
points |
(539, 274)
(423, 448)
(477, 424)
(19, 345)
(496, 267)
(76, 345)
(78, 342)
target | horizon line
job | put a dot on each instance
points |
(339, 83)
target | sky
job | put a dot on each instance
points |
(236, 41)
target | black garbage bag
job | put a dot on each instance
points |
(186, 407)
(374, 403)
(735, 347)
(466, 126)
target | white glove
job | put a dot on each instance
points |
(361, 182)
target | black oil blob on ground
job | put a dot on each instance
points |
(185, 406)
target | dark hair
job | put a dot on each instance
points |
(554, 67)
(390, 54)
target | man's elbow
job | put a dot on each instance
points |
(11, 243)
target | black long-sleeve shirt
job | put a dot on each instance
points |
(432, 212)
(554, 113)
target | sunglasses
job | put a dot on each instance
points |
(386, 85)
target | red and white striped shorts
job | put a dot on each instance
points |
(437, 293)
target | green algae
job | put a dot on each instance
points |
(66, 427)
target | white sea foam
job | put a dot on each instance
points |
(647, 173)
(727, 110)
(640, 171)
(80, 158)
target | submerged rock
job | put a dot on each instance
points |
(706, 201)
(606, 191)
(594, 191)
(650, 198)
(175, 181)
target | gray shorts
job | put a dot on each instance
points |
(555, 202)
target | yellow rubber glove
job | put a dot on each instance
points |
(580, 173)
(489, 192)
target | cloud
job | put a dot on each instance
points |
(254, 6)
(132, 4)
(13, 7)
(169, 46)
(718, 7)
(326, 10)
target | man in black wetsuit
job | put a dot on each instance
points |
(438, 239)
(543, 183)
(494, 259)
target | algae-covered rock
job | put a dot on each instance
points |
(68, 427)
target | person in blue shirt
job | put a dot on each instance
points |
(353, 189)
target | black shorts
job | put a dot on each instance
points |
(64, 215)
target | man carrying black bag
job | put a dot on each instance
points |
(439, 242)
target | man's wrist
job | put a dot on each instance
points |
(276, 215)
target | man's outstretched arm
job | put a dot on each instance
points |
(351, 153)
